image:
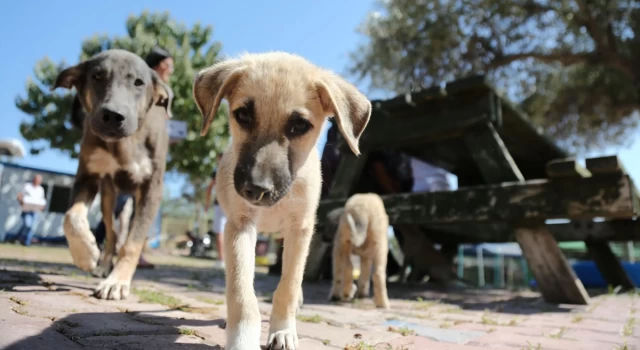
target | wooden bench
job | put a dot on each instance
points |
(511, 178)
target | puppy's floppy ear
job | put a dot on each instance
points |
(349, 106)
(70, 77)
(162, 93)
(213, 84)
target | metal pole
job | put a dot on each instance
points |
(480, 259)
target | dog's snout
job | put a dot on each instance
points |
(255, 192)
(112, 118)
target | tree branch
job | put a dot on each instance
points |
(564, 58)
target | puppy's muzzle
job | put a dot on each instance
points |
(258, 193)
(112, 122)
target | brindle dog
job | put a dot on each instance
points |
(123, 149)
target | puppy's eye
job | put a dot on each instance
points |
(243, 117)
(98, 76)
(298, 126)
(138, 82)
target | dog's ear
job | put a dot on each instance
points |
(70, 77)
(213, 84)
(162, 93)
(349, 106)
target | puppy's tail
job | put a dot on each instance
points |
(358, 228)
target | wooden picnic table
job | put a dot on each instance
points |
(511, 178)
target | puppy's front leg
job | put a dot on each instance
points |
(107, 198)
(282, 326)
(116, 285)
(243, 314)
(82, 242)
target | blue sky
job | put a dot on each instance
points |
(324, 32)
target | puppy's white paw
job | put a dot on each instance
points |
(286, 339)
(113, 288)
(82, 243)
(352, 292)
(243, 338)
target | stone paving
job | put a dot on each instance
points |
(46, 303)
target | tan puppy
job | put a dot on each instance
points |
(362, 230)
(269, 178)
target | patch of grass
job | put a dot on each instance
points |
(326, 342)
(452, 310)
(559, 333)
(210, 300)
(445, 325)
(18, 301)
(487, 320)
(628, 327)
(359, 346)
(624, 346)
(310, 319)
(70, 310)
(148, 296)
(512, 322)
(577, 319)
(404, 331)
(491, 330)
(532, 347)
(457, 322)
(426, 304)
(187, 331)
(20, 311)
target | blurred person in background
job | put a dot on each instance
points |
(32, 200)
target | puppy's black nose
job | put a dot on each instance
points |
(256, 192)
(112, 118)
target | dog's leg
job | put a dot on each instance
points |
(107, 198)
(125, 223)
(348, 287)
(243, 314)
(364, 280)
(82, 242)
(282, 326)
(337, 261)
(380, 298)
(147, 203)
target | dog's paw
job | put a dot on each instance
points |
(82, 243)
(381, 303)
(113, 288)
(286, 339)
(334, 298)
(348, 295)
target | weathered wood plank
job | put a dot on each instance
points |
(491, 155)
(556, 279)
(385, 131)
(563, 168)
(605, 165)
(608, 264)
(607, 197)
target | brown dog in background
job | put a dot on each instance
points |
(269, 178)
(123, 149)
(362, 230)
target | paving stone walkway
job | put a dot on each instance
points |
(45, 303)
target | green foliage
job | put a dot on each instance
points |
(49, 126)
(570, 62)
